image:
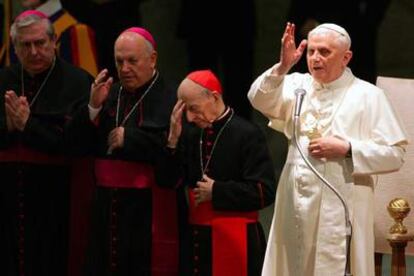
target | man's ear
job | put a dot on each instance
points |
(347, 57)
(154, 57)
(54, 41)
(215, 94)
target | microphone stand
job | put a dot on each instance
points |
(348, 225)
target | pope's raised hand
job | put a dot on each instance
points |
(289, 54)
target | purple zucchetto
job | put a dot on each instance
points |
(144, 33)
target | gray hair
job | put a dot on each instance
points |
(340, 33)
(149, 49)
(28, 20)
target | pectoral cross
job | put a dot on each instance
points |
(314, 133)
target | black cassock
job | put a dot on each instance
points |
(134, 223)
(239, 162)
(35, 172)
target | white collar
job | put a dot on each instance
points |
(342, 81)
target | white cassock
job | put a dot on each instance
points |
(307, 236)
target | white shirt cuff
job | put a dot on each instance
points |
(93, 112)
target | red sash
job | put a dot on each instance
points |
(124, 174)
(229, 236)
(20, 153)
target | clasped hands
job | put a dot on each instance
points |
(17, 111)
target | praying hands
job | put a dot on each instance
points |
(17, 111)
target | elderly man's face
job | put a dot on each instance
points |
(200, 103)
(135, 63)
(34, 48)
(326, 57)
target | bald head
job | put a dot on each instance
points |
(135, 38)
(189, 89)
(135, 60)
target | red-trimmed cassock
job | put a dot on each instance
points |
(35, 172)
(134, 222)
(224, 235)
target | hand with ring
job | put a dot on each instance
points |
(100, 89)
(328, 147)
(204, 190)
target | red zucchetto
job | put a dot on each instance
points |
(207, 79)
(144, 33)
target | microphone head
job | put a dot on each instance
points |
(300, 92)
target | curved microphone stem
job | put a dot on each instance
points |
(348, 225)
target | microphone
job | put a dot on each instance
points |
(299, 94)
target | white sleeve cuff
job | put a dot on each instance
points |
(93, 112)
(271, 80)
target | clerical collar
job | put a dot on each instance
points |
(222, 119)
(342, 81)
(218, 127)
(225, 112)
(142, 95)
